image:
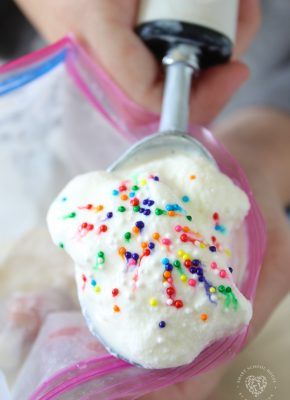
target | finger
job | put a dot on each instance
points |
(248, 24)
(213, 90)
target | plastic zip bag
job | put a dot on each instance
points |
(66, 362)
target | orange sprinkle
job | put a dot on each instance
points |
(156, 236)
(203, 317)
(116, 308)
(192, 177)
(171, 213)
(167, 274)
(100, 207)
(186, 229)
(135, 229)
(144, 245)
(122, 251)
(124, 197)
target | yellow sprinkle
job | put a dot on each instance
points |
(180, 253)
(228, 252)
(153, 302)
(212, 289)
(100, 207)
(202, 246)
(185, 256)
(97, 289)
(183, 278)
(143, 182)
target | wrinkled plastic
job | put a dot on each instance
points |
(66, 362)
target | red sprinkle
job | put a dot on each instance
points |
(223, 273)
(84, 225)
(122, 188)
(187, 263)
(170, 291)
(184, 237)
(84, 278)
(178, 303)
(213, 239)
(147, 252)
(134, 202)
(89, 206)
(216, 216)
(213, 265)
(115, 292)
(103, 228)
(90, 227)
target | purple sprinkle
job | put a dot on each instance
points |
(145, 202)
(150, 203)
(212, 249)
(156, 178)
(192, 270)
(196, 262)
(147, 212)
(151, 245)
(109, 214)
(140, 224)
(128, 255)
(135, 256)
(141, 210)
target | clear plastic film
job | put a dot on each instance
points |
(91, 112)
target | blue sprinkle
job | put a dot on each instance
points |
(220, 228)
(115, 192)
(165, 261)
(176, 207)
(93, 282)
(64, 199)
(132, 194)
(169, 207)
(185, 199)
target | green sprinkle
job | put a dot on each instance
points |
(228, 289)
(177, 263)
(121, 208)
(158, 211)
(228, 301)
(127, 236)
(101, 254)
(135, 187)
(221, 288)
(136, 208)
(70, 215)
(61, 245)
(189, 217)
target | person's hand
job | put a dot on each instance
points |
(106, 29)
(265, 159)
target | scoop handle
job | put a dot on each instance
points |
(209, 25)
(186, 36)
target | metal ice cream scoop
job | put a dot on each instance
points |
(181, 64)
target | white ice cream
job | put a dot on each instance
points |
(172, 293)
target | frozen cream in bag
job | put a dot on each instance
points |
(152, 251)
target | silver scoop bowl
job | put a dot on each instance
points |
(181, 65)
